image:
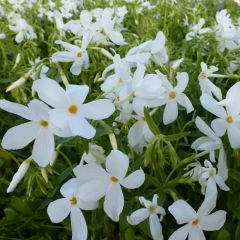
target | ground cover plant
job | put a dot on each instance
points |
(120, 119)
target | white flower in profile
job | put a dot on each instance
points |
(69, 110)
(210, 142)
(205, 84)
(75, 54)
(95, 155)
(139, 134)
(175, 96)
(197, 30)
(151, 210)
(211, 176)
(39, 128)
(100, 182)
(229, 117)
(59, 22)
(71, 204)
(196, 222)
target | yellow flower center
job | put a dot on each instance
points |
(203, 75)
(229, 119)
(73, 201)
(152, 208)
(73, 109)
(195, 222)
(79, 54)
(172, 95)
(114, 179)
(44, 123)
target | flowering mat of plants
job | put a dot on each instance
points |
(120, 119)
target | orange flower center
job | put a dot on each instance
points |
(114, 179)
(44, 123)
(229, 119)
(73, 109)
(172, 95)
(73, 201)
(195, 222)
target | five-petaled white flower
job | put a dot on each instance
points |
(100, 182)
(71, 204)
(229, 118)
(75, 54)
(196, 222)
(175, 96)
(69, 110)
(39, 128)
(151, 211)
(205, 84)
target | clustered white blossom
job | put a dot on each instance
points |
(129, 89)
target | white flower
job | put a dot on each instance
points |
(196, 222)
(101, 182)
(209, 174)
(210, 142)
(229, 118)
(2, 35)
(139, 134)
(151, 211)
(69, 110)
(197, 30)
(95, 155)
(39, 128)
(18, 176)
(151, 49)
(71, 204)
(75, 54)
(205, 84)
(175, 96)
(23, 29)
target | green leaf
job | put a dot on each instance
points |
(234, 174)
(223, 235)
(129, 234)
(237, 232)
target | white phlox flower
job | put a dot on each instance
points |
(154, 50)
(197, 30)
(206, 85)
(39, 128)
(71, 204)
(196, 222)
(228, 113)
(210, 142)
(23, 30)
(100, 182)
(174, 96)
(151, 210)
(139, 134)
(75, 54)
(69, 110)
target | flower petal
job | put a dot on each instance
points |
(69, 187)
(134, 180)
(211, 105)
(182, 212)
(155, 227)
(182, 81)
(135, 133)
(81, 127)
(138, 216)
(68, 46)
(64, 57)
(219, 126)
(20, 136)
(77, 93)
(78, 224)
(114, 202)
(17, 109)
(98, 109)
(233, 131)
(39, 109)
(170, 112)
(196, 233)
(43, 148)
(51, 92)
(181, 233)
(59, 118)
(117, 164)
(76, 67)
(213, 221)
(58, 210)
